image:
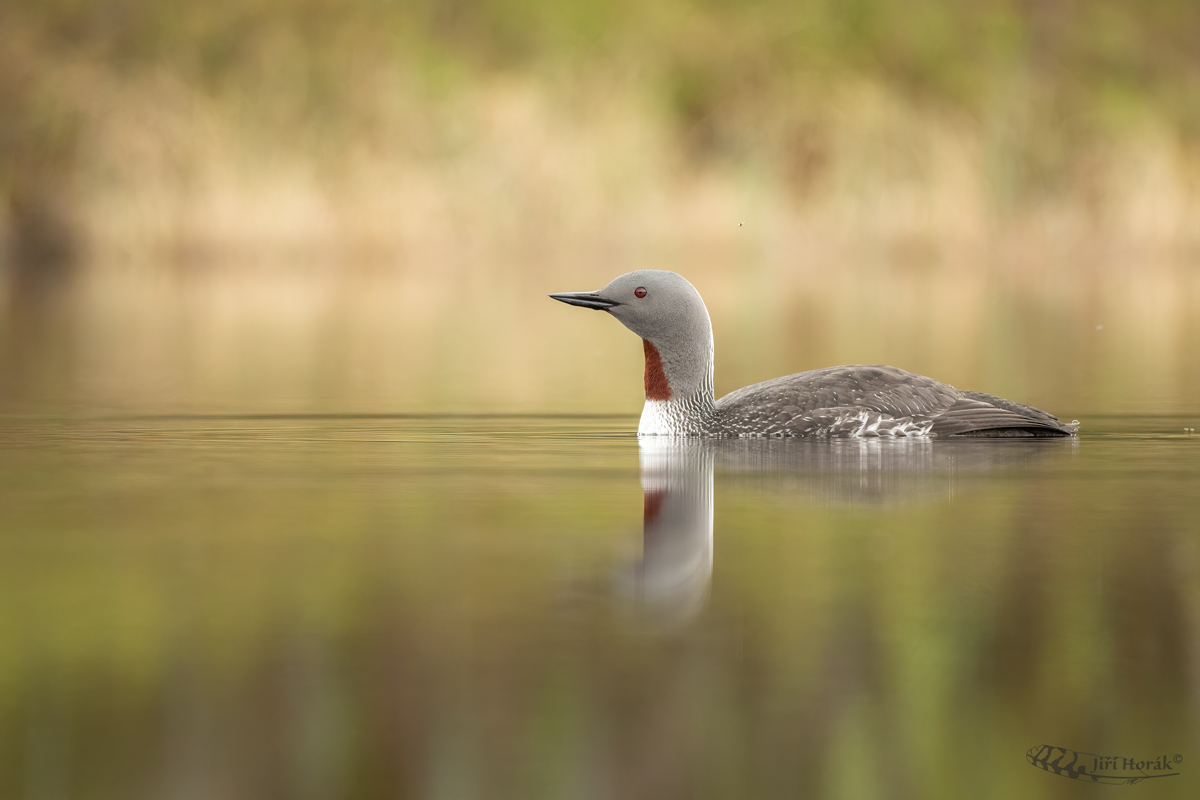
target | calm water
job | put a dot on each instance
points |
(528, 607)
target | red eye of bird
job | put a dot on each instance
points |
(640, 291)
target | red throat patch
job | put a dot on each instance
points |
(657, 386)
(652, 504)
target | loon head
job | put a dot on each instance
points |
(668, 313)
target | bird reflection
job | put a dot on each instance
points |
(876, 471)
(671, 582)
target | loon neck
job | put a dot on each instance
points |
(679, 388)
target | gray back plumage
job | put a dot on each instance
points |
(872, 400)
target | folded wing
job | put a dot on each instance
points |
(871, 400)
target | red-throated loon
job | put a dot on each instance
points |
(668, 313)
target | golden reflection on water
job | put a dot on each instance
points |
(207, 339)
(351, 606)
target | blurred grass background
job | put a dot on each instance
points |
(290, 206)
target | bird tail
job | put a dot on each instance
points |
(983, 415)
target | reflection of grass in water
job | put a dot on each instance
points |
(488, 339)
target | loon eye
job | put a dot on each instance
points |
(640, 291)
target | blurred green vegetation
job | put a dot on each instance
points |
(698, 52)
(730, 80)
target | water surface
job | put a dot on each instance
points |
(523, 607)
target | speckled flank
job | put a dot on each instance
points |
(837, 423)
(657, 385)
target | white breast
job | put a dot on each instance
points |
(654, 421)
(660, 418)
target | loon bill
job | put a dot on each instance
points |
(854, 400)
